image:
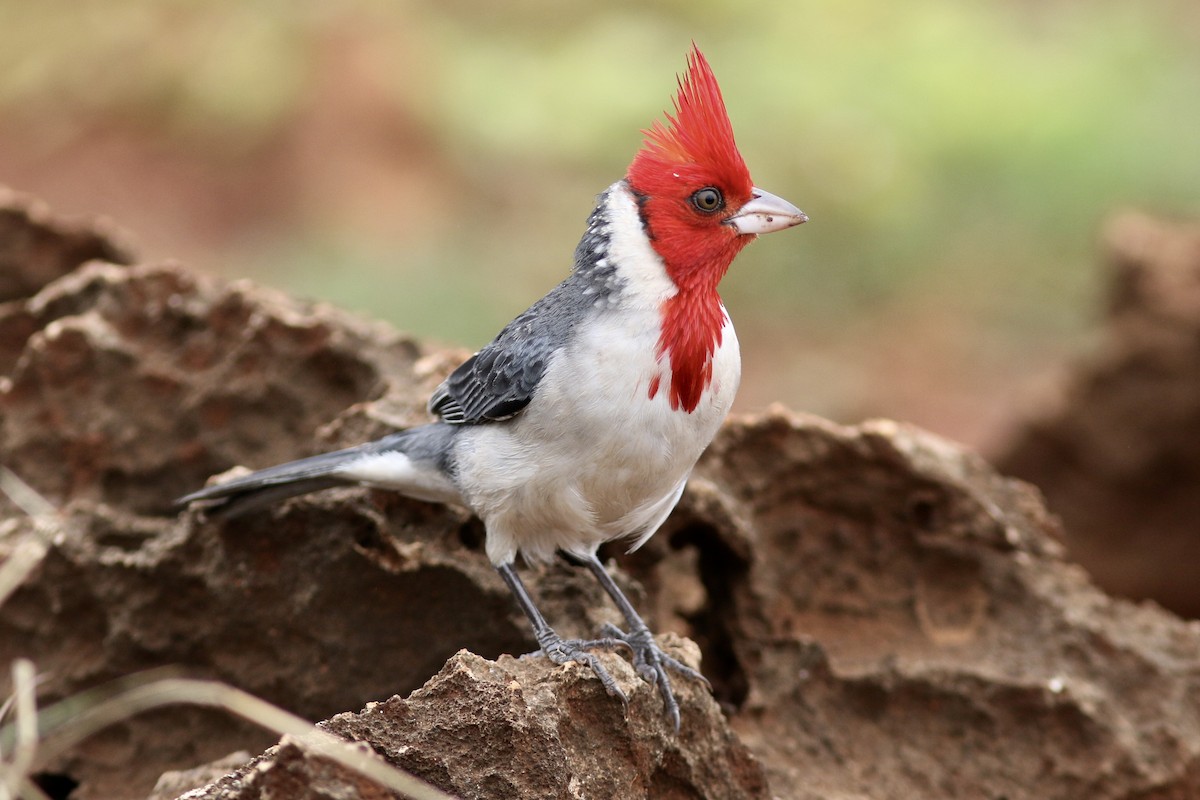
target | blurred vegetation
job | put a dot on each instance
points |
(956, 159)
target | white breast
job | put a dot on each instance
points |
(594, 457)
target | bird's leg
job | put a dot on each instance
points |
(648, 658)
(556, 648)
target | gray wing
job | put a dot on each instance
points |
(500, 380)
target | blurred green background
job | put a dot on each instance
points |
(432, 163)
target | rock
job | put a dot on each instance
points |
(881, 614)
(523, 728)
(1118, 454)
(137, 384)
(36, 247)
(134, 385)
(173, 783)
(891, 618)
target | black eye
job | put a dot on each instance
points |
(708, 200)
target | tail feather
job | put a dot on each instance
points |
(415, 462)
(235, 504)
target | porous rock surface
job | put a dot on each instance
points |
(1118, 452)
(513, 728)
(881, 614)
(36, 246)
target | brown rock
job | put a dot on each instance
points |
(1118, 455)
(137, 384)
(134, 385)
(894, 619)
(176, 782)
(881, 614)
(522, 728)
(36, 247)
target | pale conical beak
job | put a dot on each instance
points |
(765, 213)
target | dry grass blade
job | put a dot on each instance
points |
(25, 704)
(30, 552)
(33, 736)
(70, 721)
(22, 561)
(24, 495)
(14, 781)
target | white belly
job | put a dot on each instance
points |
(593, 457)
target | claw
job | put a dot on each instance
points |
(651, 663)
(562, 651)
(648, 658)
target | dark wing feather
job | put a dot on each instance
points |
(500, 380)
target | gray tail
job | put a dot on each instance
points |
(428, 443)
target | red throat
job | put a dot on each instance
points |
(691, 332)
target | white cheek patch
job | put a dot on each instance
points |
(639, 267)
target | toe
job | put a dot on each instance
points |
(563, 651)
(606, 678)
(684, 669)
(651, 675)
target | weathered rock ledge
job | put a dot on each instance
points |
(880, 613)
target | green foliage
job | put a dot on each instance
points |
(947, 152)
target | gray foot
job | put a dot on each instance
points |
(561, 651)
(651, 663)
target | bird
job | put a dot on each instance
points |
(581, 421)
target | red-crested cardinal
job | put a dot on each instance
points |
(581, 421)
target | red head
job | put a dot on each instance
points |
(700, 209)
(692, 179)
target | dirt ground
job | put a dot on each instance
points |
(880, 612)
